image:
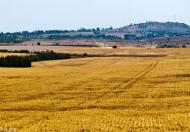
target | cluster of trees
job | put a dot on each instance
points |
(173, 46)
(149, 35)
(26, 61)
(84, 36)
(14, 51)
(9, 38)
(50, 55)
(18, 37)
(15, 61)
(135, 37)
(89, 30)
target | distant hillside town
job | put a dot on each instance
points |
(152, 32)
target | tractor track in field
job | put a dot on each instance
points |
(117, 91)
(113, 93)
(128, 84)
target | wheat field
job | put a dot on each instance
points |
(113, 94)
(12, 54)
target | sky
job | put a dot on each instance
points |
(22, 15)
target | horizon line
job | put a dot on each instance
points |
(94, 28)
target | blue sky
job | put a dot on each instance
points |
(18, 15)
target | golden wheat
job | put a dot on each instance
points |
(12, 54)
(99, 94)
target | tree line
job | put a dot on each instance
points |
(26, 61)
(15, 61)
(18, 37)
(84, 36)
(14, 51)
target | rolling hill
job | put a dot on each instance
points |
(142, 32)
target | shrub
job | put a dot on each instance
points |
(184, 46)
(85, 54)
(114, 47)
(38, 43)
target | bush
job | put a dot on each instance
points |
(114, 47)
(85, 54)
(184, 46)
(38, 43)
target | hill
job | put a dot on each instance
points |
(155, 27)
(143, 32)
(151, 30)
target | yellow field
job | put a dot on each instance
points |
(12, 54)
(171, 52)
(99, 94)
